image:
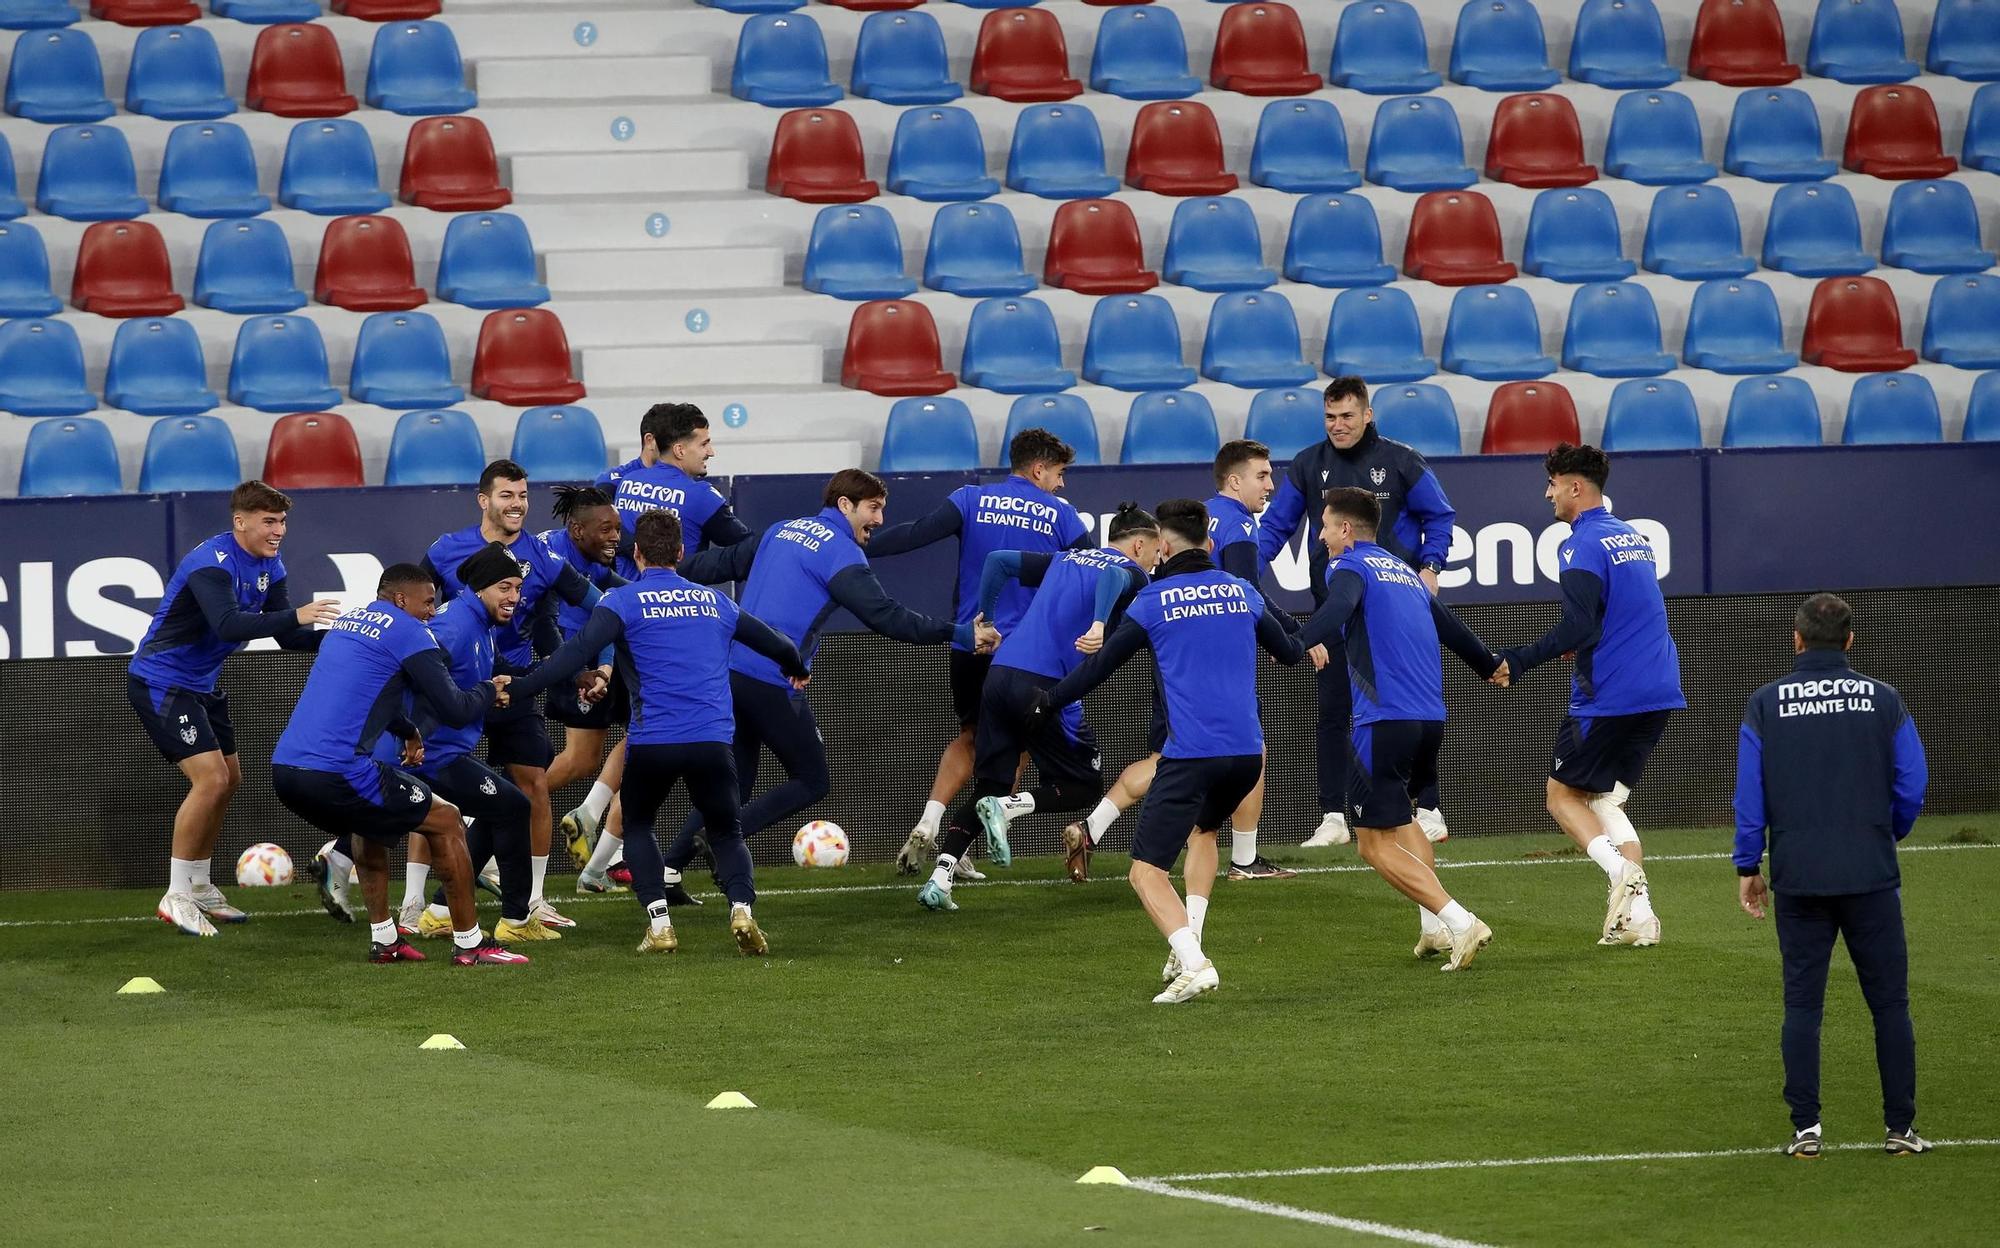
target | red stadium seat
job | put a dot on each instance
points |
(1177, 150)
(1892, 132)
(1529, 418)
(1853, 325)
(122, 270)
(873, 6)
(449, 166)
(1454, 240)
(365, 266)
(296, 71)
(816, 157)
(312, 450)
(145, 12)
(892, 349)
(523, 359)
(1260, 49)
(1740, 43)
(1536, 141)
(388, 10)
(1022, 56)
(1094, 248)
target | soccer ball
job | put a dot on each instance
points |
(820, 844)
(264, 864)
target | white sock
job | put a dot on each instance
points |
(489, 867)
(1642, 906)
(1604, 855)
(1197, 908)
(1101, 819)
(201, 869)
(1187, 947)
(941, 874)
(734, 906)
(1242, 847)
(618, 853)
(338, 865)
(670, 875)
(415, 876)
(1455, 917)
(600, 855)
(466, 939)
(933, 816)
(1017, 804)
(538, 868)
(1432, 923)
(180, 875)
(383, 933)
(656, 914)
(437, 911)
(599, 800)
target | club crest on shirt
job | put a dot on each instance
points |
(263, 582)
(526, 568)
(487, 786)
(1378, 475)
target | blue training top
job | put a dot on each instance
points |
(542, 572)
(1381, 615)
(464, 632)
(1073, 591)
(220, 596)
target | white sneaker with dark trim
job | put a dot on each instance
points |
(179, 909)
(1190, 984)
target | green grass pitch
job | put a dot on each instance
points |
(944, 1079)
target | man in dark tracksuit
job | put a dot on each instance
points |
(1416, 527)
(1830, 762)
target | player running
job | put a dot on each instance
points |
(228, 590)
(671, 475)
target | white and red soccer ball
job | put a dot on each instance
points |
(820, 844)
(264, 865)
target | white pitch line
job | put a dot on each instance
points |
(1359, 1226)
(1055, 881)
(1500, 1163)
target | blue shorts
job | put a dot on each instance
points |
(1596, 753)
(968, 685)
(1191, 795)
(181, 722)
(1392, 758)
(337, 804)
(571, 711)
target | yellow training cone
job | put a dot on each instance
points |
(441, 1041)
(1105, 1174)
(139, 984)
(732, 1100)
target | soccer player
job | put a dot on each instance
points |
(673, 641)
(1416, 528)
(797, 576)
(1019, 513)
(1243, 486)
(228, 590)
(1076, 595)
(324, 772)
(1627, 682)
(671, 474)
(1388, 625)
(1204, 627)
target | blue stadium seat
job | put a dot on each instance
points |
(414, 69)
(1065, 415)
(401, 360)
(488, 261)
(1892, 407)
(753, 6)
(1141, 55)
(1620, 44)
(330, 169)
(1965, 41)
(1655, 139)
(266, 12)
(190, 454)
(10, 184)
(939, 155)
(434, 448)
(1813, 230)
(41, 369)
(1734, 327)
(1962, 324)
(36, 14)
(559, 443)
(1772, 411)
(1288, 420)
(975, 251)
(1416, 145)
(1374, 333)
(1380, 49)
(1573, 237)
(1301, 145)
(856, 253)
(87, 175)
(24, 272)
(900, 58)
(280, 366)
(1493, 334)
(157, 369)
(1774, 136)
(1419, 416)
(210, 170)
(1213, 244)
(781, 63)
(1933, 227)
(929, 435)
(1253, 341)
(1336, 241)
(1692, 233)
(1982, 412)
(176, 75)
(54, 75)
(1652, 415)
(1499, 46)
(72, 456)
(1058, 153)
(1134, 343)
(1170, 427)
(1012, 347)
(246, 266)
(1614, 331)
(1858, 41)
(1982, 131)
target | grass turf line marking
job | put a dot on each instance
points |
(1499, 1163)
(825, 889)
(1359, 1226)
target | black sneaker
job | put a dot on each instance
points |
(1905, 1143)
(1805, 1144)
(1260, 868)
(678, 895)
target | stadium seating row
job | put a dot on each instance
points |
(295, 71)
(47, 14)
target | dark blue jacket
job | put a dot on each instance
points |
(1416, 516)
(1829, 761)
